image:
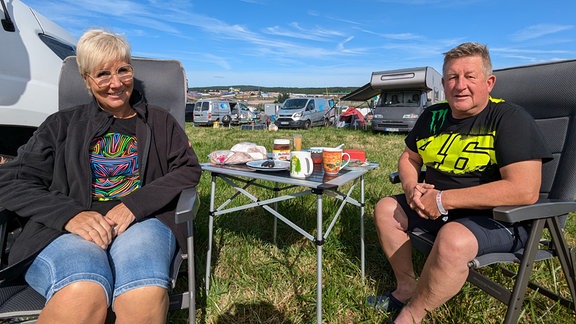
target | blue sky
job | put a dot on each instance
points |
(321, 43)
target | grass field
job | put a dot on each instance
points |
(256, 281)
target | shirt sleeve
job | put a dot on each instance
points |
(518, 138)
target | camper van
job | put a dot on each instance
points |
(206, 112)
(32, 50)
(304, 112)
(400, 96)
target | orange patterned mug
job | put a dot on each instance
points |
(332, 159)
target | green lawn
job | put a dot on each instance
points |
(256, 281)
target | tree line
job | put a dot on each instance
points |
(329, 90)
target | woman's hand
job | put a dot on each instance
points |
(91, 226)
(120, 217)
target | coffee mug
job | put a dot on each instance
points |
(301, 165)
(332, 159)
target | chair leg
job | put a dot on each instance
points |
(524, 271)
(564, 256)
(191, 274)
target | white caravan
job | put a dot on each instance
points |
(31, 52)
(401, 96)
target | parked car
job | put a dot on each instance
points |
(206, 112)
(241, 114)
(189, 112)
(305, 113)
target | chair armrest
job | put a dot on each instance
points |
(541, 209)
(394, 177)
(188, 205)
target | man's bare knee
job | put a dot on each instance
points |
(455, 241)
(388, 214)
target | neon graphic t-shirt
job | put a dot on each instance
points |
(114, 162)
(461, 153)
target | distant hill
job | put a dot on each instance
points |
(330, 90)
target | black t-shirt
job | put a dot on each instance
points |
(460, 153)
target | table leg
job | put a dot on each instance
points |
(362, 242)
(319, 243)
(210, 233)
(275, 227)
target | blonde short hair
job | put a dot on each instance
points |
(97, 47)
(470, 49)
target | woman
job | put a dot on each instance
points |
(99, 184)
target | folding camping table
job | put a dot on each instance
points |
(241, 177)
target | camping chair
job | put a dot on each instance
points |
(162, 83)
(547, 92)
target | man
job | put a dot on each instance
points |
(479, 153)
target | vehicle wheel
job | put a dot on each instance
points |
(307, 124)
(226, 120)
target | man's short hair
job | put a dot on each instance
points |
(470, 49)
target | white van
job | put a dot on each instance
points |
(304, 113)
(206, 112)
(33, 48)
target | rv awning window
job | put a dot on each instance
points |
(362, 94)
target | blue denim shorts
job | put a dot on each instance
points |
(141, 256)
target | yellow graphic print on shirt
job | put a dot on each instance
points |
(457, 153)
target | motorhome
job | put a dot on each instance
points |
(31, 52)
(400, 96)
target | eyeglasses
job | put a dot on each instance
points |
(103, 78)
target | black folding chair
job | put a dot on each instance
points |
(163, 83)
(547, 92)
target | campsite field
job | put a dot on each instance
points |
(256, 281)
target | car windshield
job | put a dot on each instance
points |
(400, 99)
(295, 103)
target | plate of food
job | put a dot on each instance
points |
(355, 165)
(269, 165)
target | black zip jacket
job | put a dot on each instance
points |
(49, 182)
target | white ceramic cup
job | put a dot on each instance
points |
(301, 165)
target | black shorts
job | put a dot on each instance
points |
(492, 235)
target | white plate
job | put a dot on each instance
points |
(278, 165)
(356, 167)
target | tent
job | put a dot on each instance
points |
(352, 117)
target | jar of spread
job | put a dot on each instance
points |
(281, 149)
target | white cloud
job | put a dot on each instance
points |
(538, 31)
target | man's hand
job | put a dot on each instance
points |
(422, 199)
(91, 226)
(120, 217)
